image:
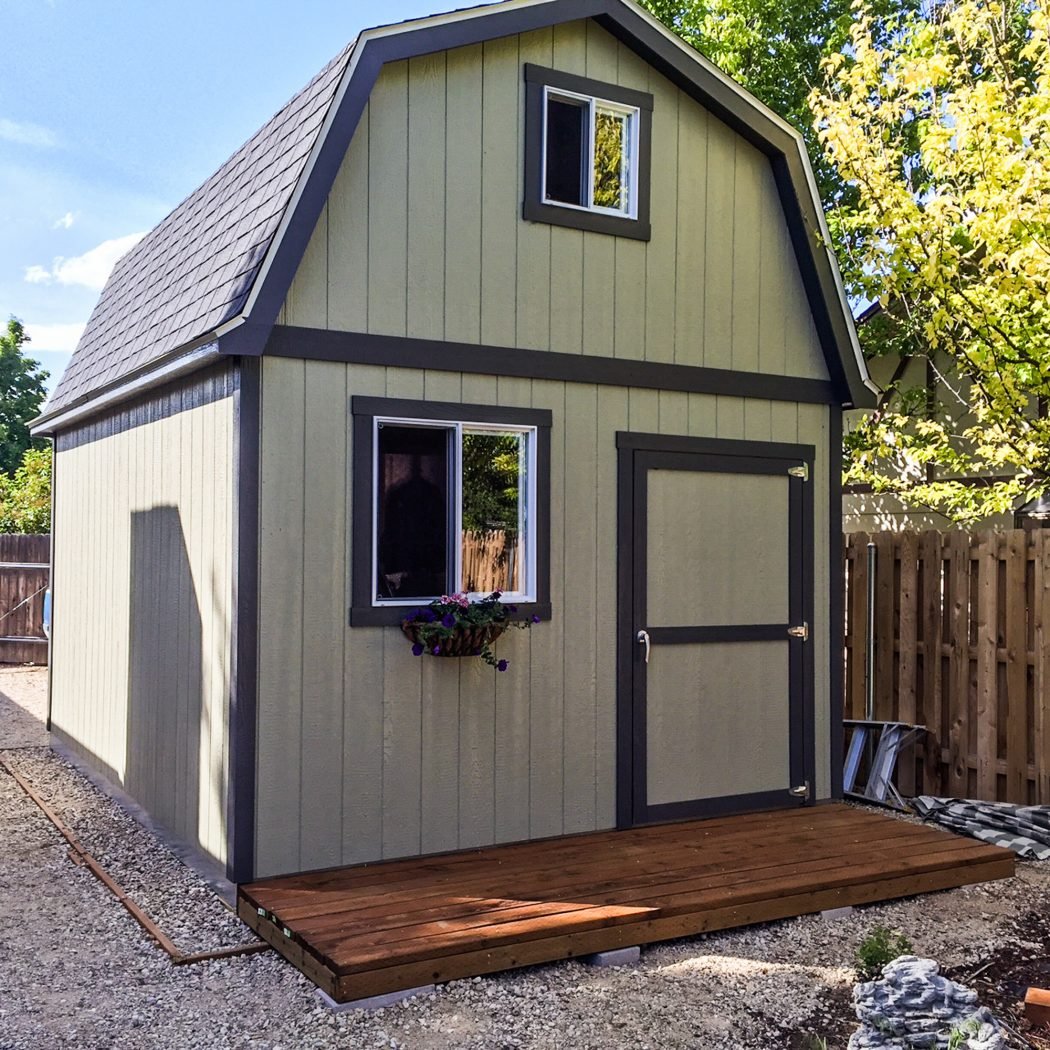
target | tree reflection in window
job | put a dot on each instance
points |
(492, 510)
(610, 158)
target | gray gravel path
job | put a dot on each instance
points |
(76, 970)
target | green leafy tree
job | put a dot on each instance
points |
(25, 497)
(940, 124)
(22, 392)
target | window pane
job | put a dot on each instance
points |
(610, 159)
(412, 512)
(493, 512)
(566, 150)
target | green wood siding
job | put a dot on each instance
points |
(422, 235)
(366, 751)
(143, 612)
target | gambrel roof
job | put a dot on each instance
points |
(209, 280)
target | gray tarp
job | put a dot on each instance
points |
(1024, 829)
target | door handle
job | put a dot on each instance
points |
(643, 638)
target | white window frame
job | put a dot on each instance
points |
(526, 507)
(629, 178)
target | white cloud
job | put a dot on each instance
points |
(65, 222)
(90, 269)
(60, 337)
(27, 134)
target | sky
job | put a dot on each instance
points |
(112, 112)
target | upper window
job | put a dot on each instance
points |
(448, 498)
(587, 154)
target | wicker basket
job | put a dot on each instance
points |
(466, 641)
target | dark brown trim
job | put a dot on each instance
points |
(362, 612)
(534, 208)
(240, 798)
(218, 381)
(836, 599)
(730, 632)
(624, 637)
(723, 806)
(316, 344)
(724, 447)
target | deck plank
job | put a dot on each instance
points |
(370, 929)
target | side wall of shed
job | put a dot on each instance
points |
(365, 752)
(143, 591)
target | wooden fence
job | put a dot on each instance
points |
(485, 561)
(962, 646)
(24, 575)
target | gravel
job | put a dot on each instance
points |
(77, 970)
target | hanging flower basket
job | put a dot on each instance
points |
(453, 625)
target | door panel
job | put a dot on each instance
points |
(715, 708)
(718, 548)
(731, 729)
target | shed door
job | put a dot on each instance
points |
(719, 705)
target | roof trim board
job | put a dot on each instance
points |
(246, 333)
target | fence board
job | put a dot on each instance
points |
(962, 635)
(24, 575)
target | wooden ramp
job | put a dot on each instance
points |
(366, 930)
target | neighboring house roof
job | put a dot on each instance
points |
(211, 278)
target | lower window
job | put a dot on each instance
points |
(448, 505)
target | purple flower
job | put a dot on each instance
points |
(512, 608)
(436, 650)
(448, 620)
(535, 618)
(417, 649)
(428, 616)
(501, 666)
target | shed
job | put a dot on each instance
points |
(544, 236)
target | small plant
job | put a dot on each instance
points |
(880, 947)
(958, 1037)
(816, 1042)
(454, 625)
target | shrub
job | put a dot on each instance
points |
(881, 946)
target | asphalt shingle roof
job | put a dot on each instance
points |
(194, 270)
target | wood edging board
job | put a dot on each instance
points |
(344, 988)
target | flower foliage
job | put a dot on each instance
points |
(940, 123)
(447, 616)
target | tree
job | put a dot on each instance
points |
(22, 392)
(25, 498)
(775, 49)
(940, 124)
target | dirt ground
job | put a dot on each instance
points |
(76, 970)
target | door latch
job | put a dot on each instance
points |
(802, 791)
(802, 631)
(643, 639)
(800, 472)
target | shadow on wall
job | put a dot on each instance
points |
(165, 683)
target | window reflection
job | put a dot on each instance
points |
(413, 510)
(610, 159)
(493, 526)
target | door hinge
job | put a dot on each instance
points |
(802, 631)
(800, 472)
(802, 791)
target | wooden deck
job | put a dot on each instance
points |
(365, 930)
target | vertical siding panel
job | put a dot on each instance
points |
(729, 417)
(758, 420)
(643, 408)
(324, 612)
(690, 286)
(612, 416)
(463, 196)
(674, 412)
(278, 779)
(168, 601)
(499, 191)
(533, 293)
(388, 201)
(749, 167)
(718, 245)
(307, 302)
(579, 527)
(776, 256)
(362, 696)
(703, 410)
(426, 196)
(661, 263)
(348, 237)
(547, 648)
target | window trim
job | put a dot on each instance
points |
(366, 412)
(540, 81)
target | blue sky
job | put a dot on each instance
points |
(111, 113)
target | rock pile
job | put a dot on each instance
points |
(914, 1008)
